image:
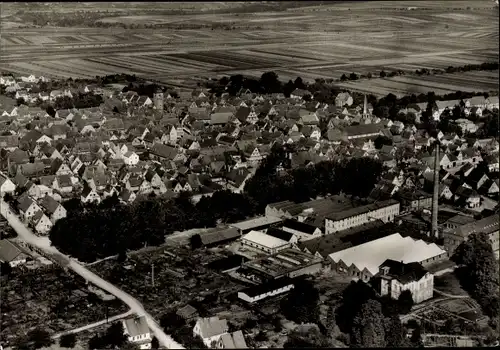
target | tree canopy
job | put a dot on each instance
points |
(479, 271)
(368, 326)
(301, 304)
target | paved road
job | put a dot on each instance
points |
(93, 325)
(44, 244)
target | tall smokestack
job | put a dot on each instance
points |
(365, 107)
(435, 195)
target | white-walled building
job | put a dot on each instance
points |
(396, 277)
(264, 242)
(384, 210)
(137, 332)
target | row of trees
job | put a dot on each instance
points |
(112, 228)
(425, 71)
(81, 100)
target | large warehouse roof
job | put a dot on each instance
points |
(372, 254)
(264, 239)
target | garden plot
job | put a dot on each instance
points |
(51, 299)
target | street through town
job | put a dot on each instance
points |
(43, 243)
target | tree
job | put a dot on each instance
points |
(405, 302)
(19, 101)
(155, 344)
(356, 294)
(353, 76)
(416, 338)
(478, 272)
(306, 337)
(67, 340)
(395, 336)
(383, 74)
(115, 335)
(39, 338)
(368, 326)
(343, 77)
(171, 321)
(196, 241)
(381, 141)
(299, 84)
(270, 83)
(5, 269)
(301, 304)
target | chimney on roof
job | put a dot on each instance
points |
(435, 195)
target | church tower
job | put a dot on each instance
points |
(365, 108)
(158, 100)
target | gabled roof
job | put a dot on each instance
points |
(280, 234)
(136, 326)
(212, 326)
(49, 204)
(234, 340)
(9, 250)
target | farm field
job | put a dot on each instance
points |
(312, 42)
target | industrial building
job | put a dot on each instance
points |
(258, 223)
(264, 242)
(287, 263)
(384, 210)
(266, 290)
(454, 233)
(363, 261)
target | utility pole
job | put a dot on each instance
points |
(153, 274)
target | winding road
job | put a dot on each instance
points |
(43, 243)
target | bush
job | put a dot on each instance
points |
(68, 341)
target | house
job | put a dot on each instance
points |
(234, 340)
(53, 208)
(396, 277)
(27, 206)
(210, 329)
(6, 185)
(188, 313)
(63, 183)
(137, 332)
(41, 223)
(130, 158)
(299, 94)
(89, 195)
(12, 253)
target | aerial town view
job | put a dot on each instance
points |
(230, 175)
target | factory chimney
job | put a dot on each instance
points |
(435, 194)
(365, 107)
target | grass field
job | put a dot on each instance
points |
(318, 41)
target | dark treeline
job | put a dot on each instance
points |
(85, 100)
(96, 231)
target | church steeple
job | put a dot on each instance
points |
(365, 107)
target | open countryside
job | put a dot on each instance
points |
(318, 41)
